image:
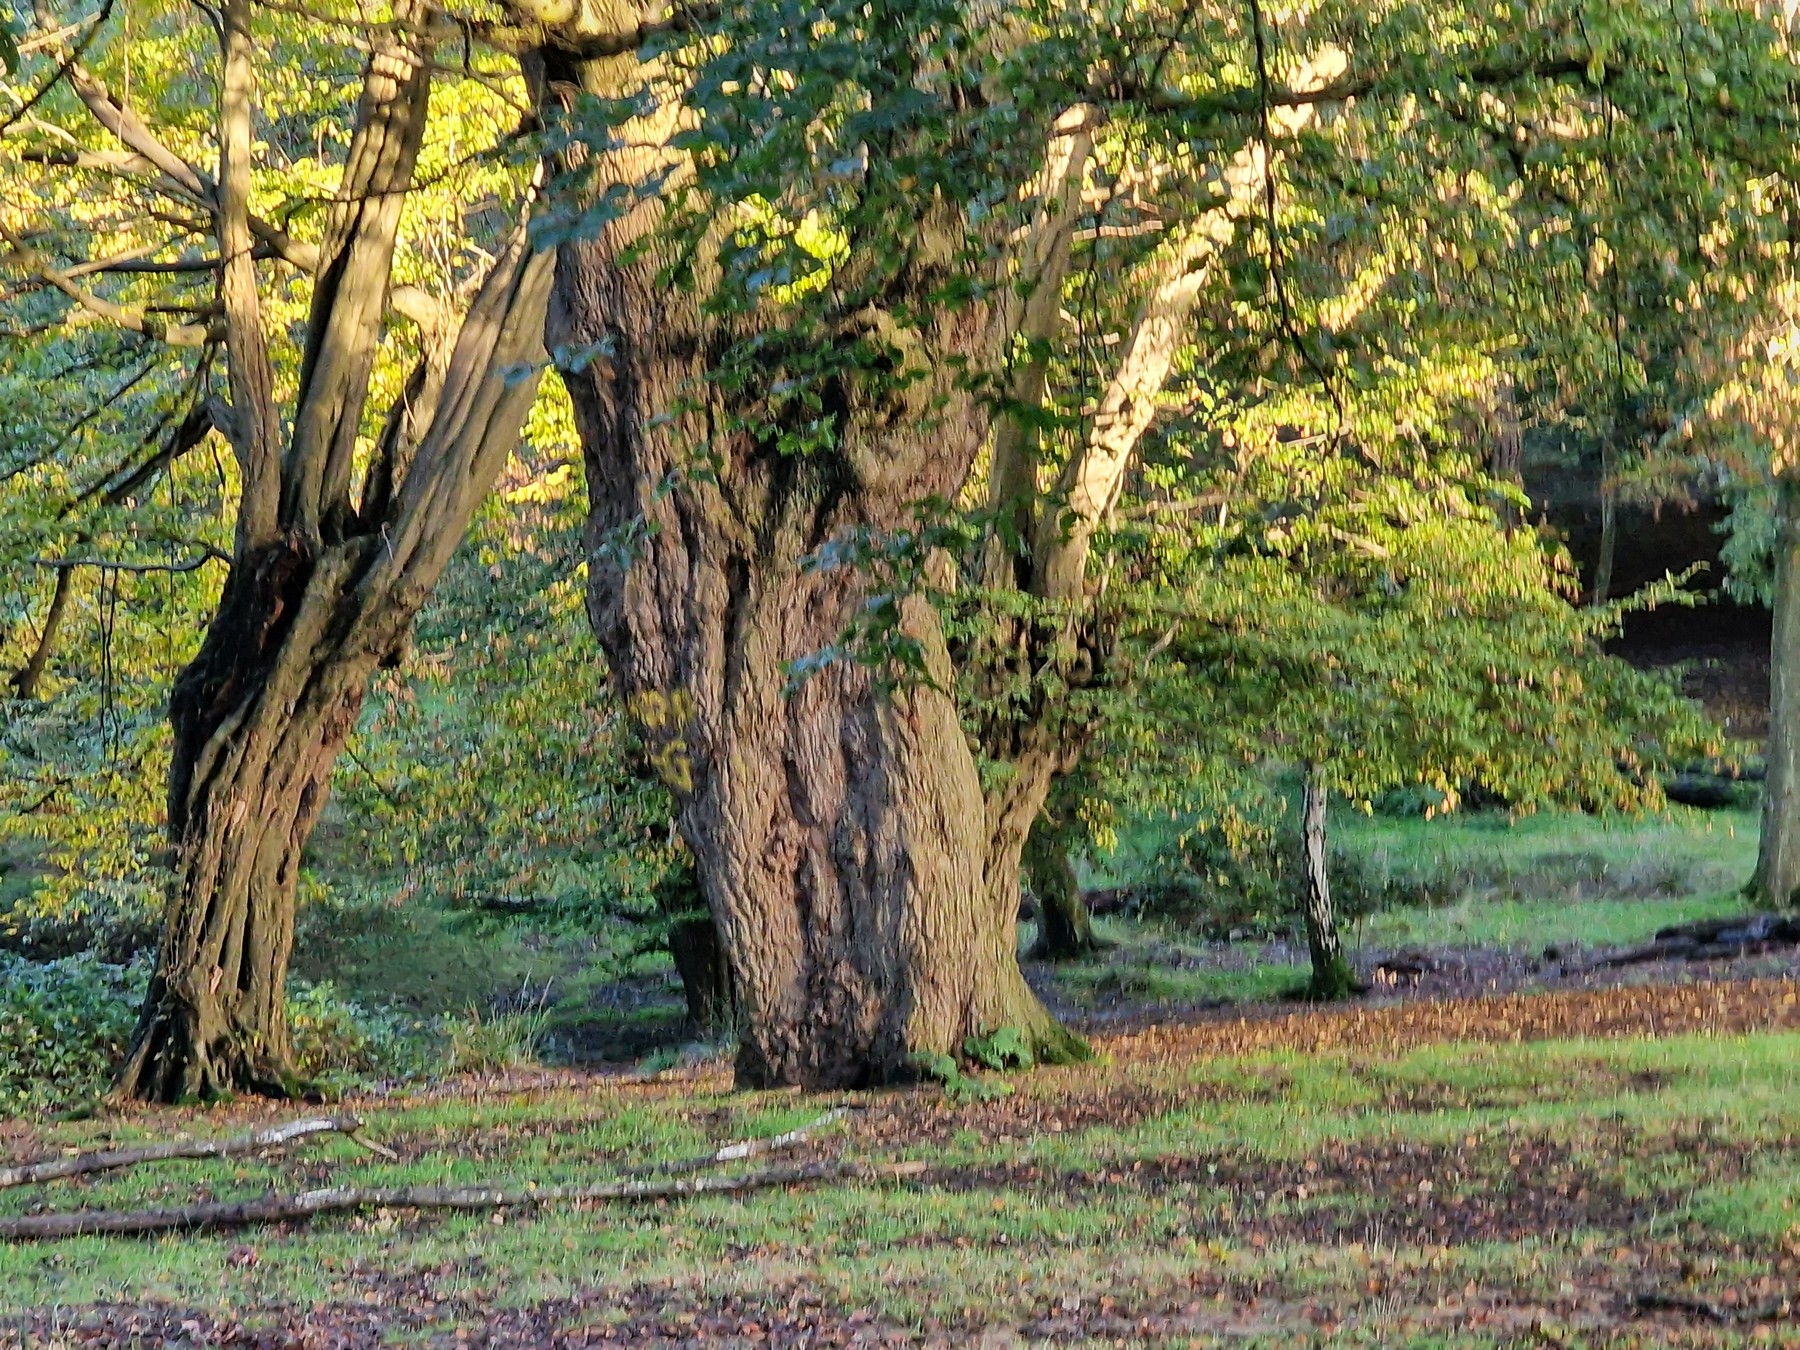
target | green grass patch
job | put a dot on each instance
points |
(1194, 1186)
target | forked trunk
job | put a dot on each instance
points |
(258, 717)
(838, 824)
(1331, 974)
(260, 714)
(1777, 878)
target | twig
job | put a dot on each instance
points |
(370, 1146)
(109, 565)
(1658, 1301)
(309, 1204)
(109, 1160)
(747, 1148)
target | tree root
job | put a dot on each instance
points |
(336, 1199)
(107, 1160)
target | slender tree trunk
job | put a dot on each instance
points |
(698, 954)
(1601, 591)
(1065, 931)
(1331, 975)
(1777, 878)
(26, 679)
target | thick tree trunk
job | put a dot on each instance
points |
(1777, 878)
(1065, 930)
(1331, 974)
(838, 826)
(258, 717)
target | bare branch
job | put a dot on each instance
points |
(747, 1148)
(64, 68)
(108, 1160)
(132, 320)
(130, 131)
(338, 1199)
(208, 554)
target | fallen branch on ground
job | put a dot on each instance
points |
(1709, 939)
(107, 1160)
(336, 1199)
(1656, 1300)
(747, 1148)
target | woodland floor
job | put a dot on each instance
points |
(1579, 1167)
(1520, 1147)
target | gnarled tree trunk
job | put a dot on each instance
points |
(1065, 930)
(838, 826)
(259, 717)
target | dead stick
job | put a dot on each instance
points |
(747, 1148)
(310, 1204)
(111, 1159)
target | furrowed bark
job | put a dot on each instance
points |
(838, 828)
(865, 887)
(261, 713)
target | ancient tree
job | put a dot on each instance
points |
(346, 514)
(749, 445)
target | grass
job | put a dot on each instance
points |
(1455, 1175)
(1536, 923)
(1278, 1189)
(1558, 855)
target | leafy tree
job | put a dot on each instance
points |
(349, 492)
(812, 302)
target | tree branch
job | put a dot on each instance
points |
(338, 1199)
(352, 282)
(109, 1160)
(255, 427)
(132, 320)
(207, 554)
(539, 24)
